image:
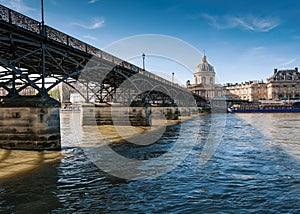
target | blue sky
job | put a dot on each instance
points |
(243, 39)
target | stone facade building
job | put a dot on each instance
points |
(29, 91)
(252, 90)
(282, 85)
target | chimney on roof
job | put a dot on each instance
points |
(296, 69)
(275, 70)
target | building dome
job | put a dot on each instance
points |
(204, 73)
(204, 66)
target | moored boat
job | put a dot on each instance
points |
(281, 107)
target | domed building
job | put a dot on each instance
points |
(204, 85)
(204, 73)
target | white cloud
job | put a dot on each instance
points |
(259, 24)
(97, 23)
(287, 63)
(92, 1)
(258, 51)
(261, 54)
(89, 37)
(17, 5)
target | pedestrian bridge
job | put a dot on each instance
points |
(34, 55)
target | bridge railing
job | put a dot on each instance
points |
(19, 19)
(22, 21)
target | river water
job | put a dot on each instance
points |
(255, 168)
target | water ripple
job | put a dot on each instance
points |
(252, 171)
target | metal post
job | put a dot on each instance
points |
(43, 32)
(143, 56)
(87, 93)
(14, 84)
(42, 5)
(44, 92)
(143, 89)
(172, 78)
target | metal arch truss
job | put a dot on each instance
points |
(42, 66)
(41, 57)
(123, 87)
(33, 63)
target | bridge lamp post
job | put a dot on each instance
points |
(172, 77)
(43, 33)
(43, 19)
(143, 56)
(42, 11)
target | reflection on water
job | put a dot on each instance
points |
(254, 170)
(13, 163)
(282, 129)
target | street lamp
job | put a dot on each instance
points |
(172, 77)
(43, 19)
(143, 56)
(42, 11)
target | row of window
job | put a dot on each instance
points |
(203, 80)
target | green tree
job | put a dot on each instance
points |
(55, 94)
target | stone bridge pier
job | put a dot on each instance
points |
(92, 114)
(29, 123)
(102, 114)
